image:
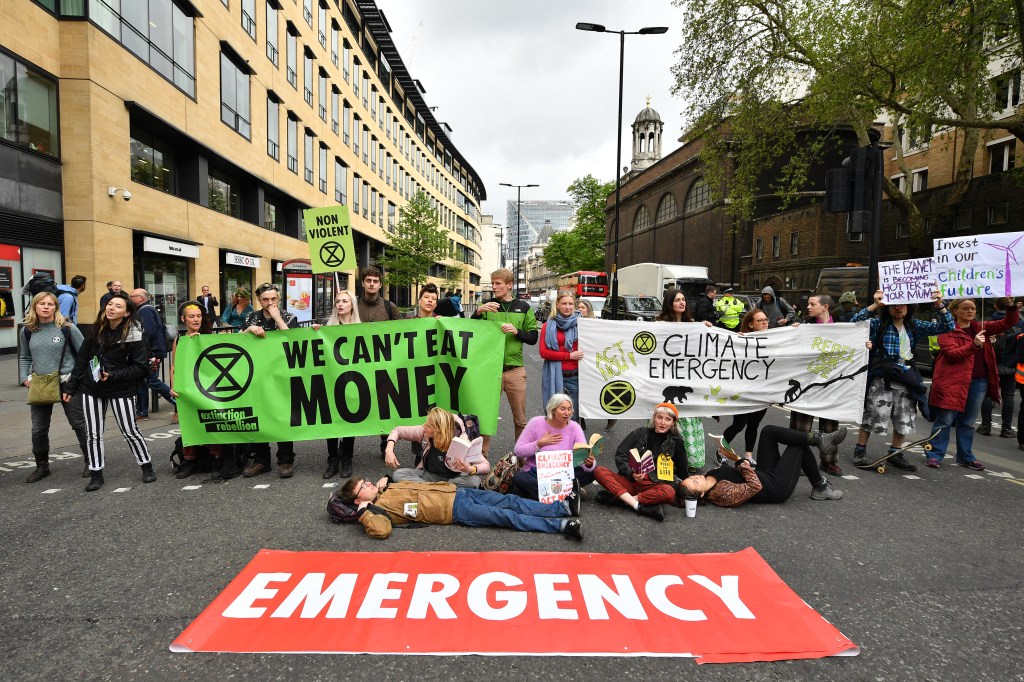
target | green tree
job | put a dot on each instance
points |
(416, 245)
(453, 275)
(757, 72)
(582, 248)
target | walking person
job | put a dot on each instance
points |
(114, 287)
(239, 311)
(110, 366)
(50, 344)
(344, 312)
(965, 372)
(559, 347)
(68, 298)
(154, 332)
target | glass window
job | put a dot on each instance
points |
(321, 26)
(290, 56)
(307, 78)
(759, 248)
(340, 181)
(1002, 156)
(373, 205)
(307, 159)
(223, 194)
(273, 129)
(998, 214)
(334, 45)
(28, 115)
(307, 12)
(794, 243)
(345, 122)
(322, 95)
(963, 219)
(366, 198)
(698, 196)
(234, 97)
(272, 29)
(357, 127)
(249, 17)
(355, 79)
(391, 217)
(293, 143)
(335, 104)
(776, 243)
(356, 189)
(323, 169)
(666, 208)
(152, 161)
(346, 59)
(641, 219)
(269, 216)
(902, 231)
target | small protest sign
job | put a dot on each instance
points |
(980, 266)
(910, 280)
(329, 236)
(554, 475)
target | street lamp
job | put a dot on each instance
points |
(647, 30)
(519, 223)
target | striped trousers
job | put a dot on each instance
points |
(124, 415)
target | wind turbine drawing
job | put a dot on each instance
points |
(1008, 249)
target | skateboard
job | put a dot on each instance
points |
(879, 464)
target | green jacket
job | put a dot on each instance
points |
(516, 312)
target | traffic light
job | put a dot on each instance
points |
(849, 189)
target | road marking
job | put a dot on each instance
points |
(1013, 480)
(1000, 474)
(121, 490)
(261, 486)
(51, 491)
(330, 485)
(912, 477)
(975, 476)
(851, 477)
(192, 487)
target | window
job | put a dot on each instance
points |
(373, 205)
(28, 107)
(775, 246)
(391, 217)
(366, 144)
(641, 219)
(356, 125)
(159, 33)
(249, 17)
(920, 180)
(759, 248)
(373, 153)
(340, 181)
(272, 29)
(322, 95)
(697, 197)
(998, 214)
(1001, 156)
(335, 105)
(366, 87)
(366, 199)
(323, 169)
(855, 236)
(273, 129)
(234, 96)
(915, 137)
(356, 189)
(307, 12)
(1006, 91)
(293, 143)
(666, 209)
(307, 159)
(152, 161)
(270, 216)
(346, 58)
(345, 122)
(222, 192)
(355, 78)
(901, 183)
(963, 219)
(334, 44)
(321, 25)
(794, 243)
(307, 78)
(902, 230)
(291, 55)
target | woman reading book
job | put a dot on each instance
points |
(436, 437)
(554, 431)
(647, 462)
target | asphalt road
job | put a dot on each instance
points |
(925, 574)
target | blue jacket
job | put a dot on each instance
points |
(67, 302)
(153, 330)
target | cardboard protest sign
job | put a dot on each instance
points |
(629, 367)
(981, 266)
(719, 608)
(329, 236)
(911, 280)
(554, 475)
(340, 380)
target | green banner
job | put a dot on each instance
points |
(341, 380)
(329, 236)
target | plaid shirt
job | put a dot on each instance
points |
(891, 337)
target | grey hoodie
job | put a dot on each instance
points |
(777, 308)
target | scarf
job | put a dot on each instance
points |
(551, 379)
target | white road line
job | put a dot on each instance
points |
(851, 477)
(330, 485)
(192, 487)
(912, 477)
(1000, 474)
(51, 491)
(975, 476)
(121, 490)
(260, 486)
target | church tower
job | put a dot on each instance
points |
(647, 129)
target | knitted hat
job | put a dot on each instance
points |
(670, 407)
(849, 297)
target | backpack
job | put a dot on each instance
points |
(390, 309)
(341, 511)
(170, 335)
(40, 282)
(500, 478)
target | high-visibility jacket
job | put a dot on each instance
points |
(729, 310)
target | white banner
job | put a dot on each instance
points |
(629, 367)
(980, 266)
(910, 280)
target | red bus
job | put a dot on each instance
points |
(585, 283)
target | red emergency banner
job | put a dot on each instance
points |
(718, 608)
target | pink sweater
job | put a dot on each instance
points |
(414, 434)
(527, 447)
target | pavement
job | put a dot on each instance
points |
(925, 572)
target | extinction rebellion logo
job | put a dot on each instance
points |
(223, 373)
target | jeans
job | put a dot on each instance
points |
(41, 415)
(152, 382)
(488, 509)
(963, 422)
(571, 387)
(524, 483)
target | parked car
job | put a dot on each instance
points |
(632, 308)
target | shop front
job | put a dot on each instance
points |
(237, 271)
(163, 268)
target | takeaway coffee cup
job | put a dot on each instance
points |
(691, 505)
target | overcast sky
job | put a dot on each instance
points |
(529, 98)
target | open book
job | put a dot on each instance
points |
(464, 450)
(581, 451)
(641, 464)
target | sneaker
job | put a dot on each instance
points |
(573, 529)
(141, 417)
(606, 498)
(831, 468)
(860, 455)
(827, 493)
(984, 430)
(932, 462)
(973, 465)
(188, 467)
(255, 469)
(286, 470)
(828, 443)
(1008, 432)
(651, 511)
(572, 502)
(901, 462)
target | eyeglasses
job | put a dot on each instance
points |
(364, 484)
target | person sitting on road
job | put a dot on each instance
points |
(776, 476)
(434, 438)
(555, 431)
(645, 493)
(383, 505)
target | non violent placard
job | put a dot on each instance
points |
(717, 607)
(329, 236)
(629, 367)
(982, 266)
(911, 280)
(340, 380)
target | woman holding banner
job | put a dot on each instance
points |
(674, 309)
(435, 439)
(427, 303)
(754, 321)
(965, 371)
(554, 431)
(345, 312)
(560, 349)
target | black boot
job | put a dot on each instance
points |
(188, 467)
(147, 473)
(85, 471)
(346, 464)
(332, 468)
(42, 468)
(95, 481)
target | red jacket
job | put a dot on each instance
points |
(955, 363)
(557, 355)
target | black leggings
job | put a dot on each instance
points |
(1020, 416)
(779, 474)
(747, 423)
